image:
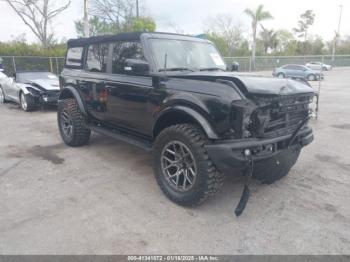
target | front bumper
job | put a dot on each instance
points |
(228, 155)
(46, 98)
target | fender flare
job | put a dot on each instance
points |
(199, 118)
(71, 92)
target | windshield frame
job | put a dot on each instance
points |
(151, 58)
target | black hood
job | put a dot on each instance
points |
(250, 84)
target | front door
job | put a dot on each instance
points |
(128, 90)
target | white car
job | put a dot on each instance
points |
(319, 66)
(29, 89)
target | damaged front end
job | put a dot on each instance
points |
(269, 133)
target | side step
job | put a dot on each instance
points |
(116, 134)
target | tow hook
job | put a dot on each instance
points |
(248, 174)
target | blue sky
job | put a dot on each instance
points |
(190, 16)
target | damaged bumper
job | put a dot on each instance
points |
(231, 155)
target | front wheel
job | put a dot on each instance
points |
(311, 77)
(27, 102)
(182, 166)
(71, 124)
(2, 96)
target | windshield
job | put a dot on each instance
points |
(29, 76)
(181, 55)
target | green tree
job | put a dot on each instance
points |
(269, 39)
(96, 27)
(227, 34)
(307, 19)
(144, 24)
(257, 16)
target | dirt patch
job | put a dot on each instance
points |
(48, 153)
(343, 126)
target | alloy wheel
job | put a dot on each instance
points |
(66, 124)
(2, 96)
(24, 103)
(178, 166)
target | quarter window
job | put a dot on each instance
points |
(74, 56)
(122, 51)
(97, 58)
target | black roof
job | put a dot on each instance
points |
(135, 36)
(104, 38)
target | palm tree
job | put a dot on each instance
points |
(257, 17)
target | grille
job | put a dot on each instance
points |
(285, 115)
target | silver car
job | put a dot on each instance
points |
(30, 89)
(319, 66)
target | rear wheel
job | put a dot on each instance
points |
(182, 166)
(71, 123)
(27, 102)
(2, 96)
(281, 75)
(273, 169)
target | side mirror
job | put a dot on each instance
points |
(136, 67)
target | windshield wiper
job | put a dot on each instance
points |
(175, 69)
(212, 69)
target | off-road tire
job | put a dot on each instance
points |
(208, 179)
(30, 102)
(273, 169)
(80, 134)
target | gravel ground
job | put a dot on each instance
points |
(103, 199)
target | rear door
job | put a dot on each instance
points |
(93, 80)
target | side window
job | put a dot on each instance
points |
(125, 54)
(74, 56)
(97, 58)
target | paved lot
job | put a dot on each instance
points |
(103, 198)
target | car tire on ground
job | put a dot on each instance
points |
(281, 75)
(273, 169)
(27, 102)
(182, 166)
(71, 123)
(325, 68)
(311, 77)
(2, 96)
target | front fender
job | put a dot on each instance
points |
(196, 116)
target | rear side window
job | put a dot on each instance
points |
(74, 57)
(97, 58)
(123, 51)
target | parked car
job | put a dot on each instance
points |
(318, 66)
(30, 89)
(172, 94)
(297, 71)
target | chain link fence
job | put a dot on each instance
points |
(55, 65)
(263, 63)
(11, 64)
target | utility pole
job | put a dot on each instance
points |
(86, 19)
(337, 34)
(137, 9)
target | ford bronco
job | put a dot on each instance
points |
(172, 94)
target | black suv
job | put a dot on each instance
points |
(172, 94)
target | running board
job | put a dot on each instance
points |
(116, 134)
